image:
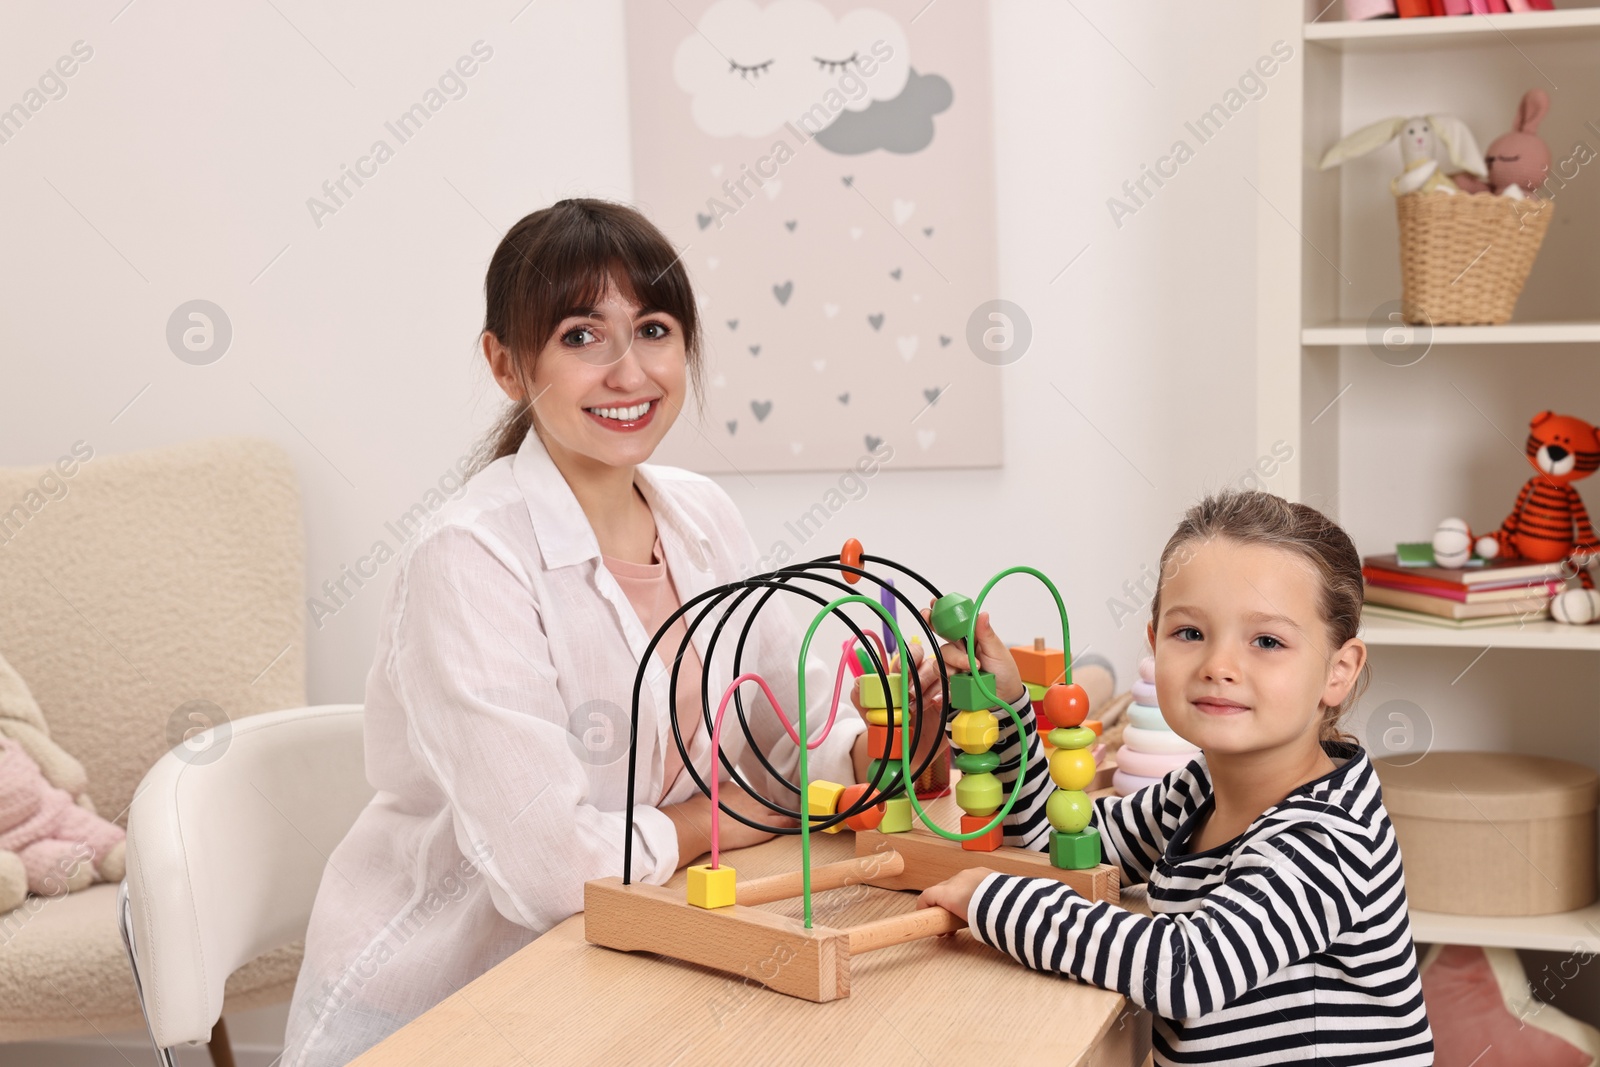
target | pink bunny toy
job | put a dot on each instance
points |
(1518, 160)
(52, 835)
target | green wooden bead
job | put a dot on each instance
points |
(896, 816)
(1069, 810)
(1036, 692)
(979, 794)
(1075, 737)
(965, 694)
(891, 775)
(951, 617)
(977, 762)
(869, 690)
(1075, 852)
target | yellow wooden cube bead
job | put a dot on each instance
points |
(823, 799)
(1071, 768)
(880, 716)
(975, 731)
(711, 887)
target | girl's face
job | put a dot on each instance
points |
(609, 383)
(1242, 654)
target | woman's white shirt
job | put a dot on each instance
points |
(497, 725)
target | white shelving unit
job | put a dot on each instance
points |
(1389, 448)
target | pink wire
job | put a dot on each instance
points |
(847, 654)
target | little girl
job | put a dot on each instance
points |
(1279, 931)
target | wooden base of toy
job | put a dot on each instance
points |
(930, 859)
(811, 964)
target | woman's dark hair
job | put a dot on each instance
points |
(1258, 518)
(560, 258)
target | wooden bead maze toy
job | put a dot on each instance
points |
(717, 924)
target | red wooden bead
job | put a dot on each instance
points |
(1066, 705)
(850, 556)
(875, 741)
(866, 820)
(989, 841)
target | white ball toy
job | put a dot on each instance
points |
(1452, 543)
(1576, 606)
(1487, 547)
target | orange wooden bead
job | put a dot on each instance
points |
(876, 739)
(1096, 725)
(1066, 705)
(866, 820)
(850, 556)
(990, 841)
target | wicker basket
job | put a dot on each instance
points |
(1464, 257)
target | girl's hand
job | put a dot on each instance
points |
(954, 894)
(993, 656)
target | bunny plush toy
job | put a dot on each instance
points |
(1518, 160)
(1421, 137)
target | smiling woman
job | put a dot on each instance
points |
(499, 705)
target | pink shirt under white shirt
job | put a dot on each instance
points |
(497, 720)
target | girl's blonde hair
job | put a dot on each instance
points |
(1258, 518)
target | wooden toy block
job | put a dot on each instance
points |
(870, 694)
(1069, 810)
(988, 842)
(1066, 705)
(977, 762)
(1075, 852)
(890, 776)
(1071, 768)
(823, 799)
(965, 694)
(1036, 691)
(975, 731)
(878, 736)
(867, 819)
(711, 887)
(1075, 737)
(896, 817)
(850, 556)
(930, 859)
(951, 616)
(1040, 665)
(979, 794)
(1096, 725)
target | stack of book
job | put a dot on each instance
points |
(1486, 593)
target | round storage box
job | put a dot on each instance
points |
(1486, 833)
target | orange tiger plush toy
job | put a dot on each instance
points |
(1550, 522)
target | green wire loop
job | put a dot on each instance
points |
(986, 690)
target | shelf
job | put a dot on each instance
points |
(1456, 31)
(1562, 932)
(1512, 333)
(1541, 634)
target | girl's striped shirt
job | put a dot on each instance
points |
(1289, 944)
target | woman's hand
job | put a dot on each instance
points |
(693, 821)
(954, 894)
(993, 656)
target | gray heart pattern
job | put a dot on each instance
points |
(783, 292)
(761, 409)
(895, 274)
(755, 350)
(844, 398)
(791, 224)
(703, 220)
(932, 395)
(876, 320)
(733, 424)
(873, 442)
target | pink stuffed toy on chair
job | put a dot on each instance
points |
(62, 846)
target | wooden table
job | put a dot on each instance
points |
(935, 1001)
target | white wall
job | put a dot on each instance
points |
(188, 145)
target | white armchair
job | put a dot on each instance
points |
(225, 855)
